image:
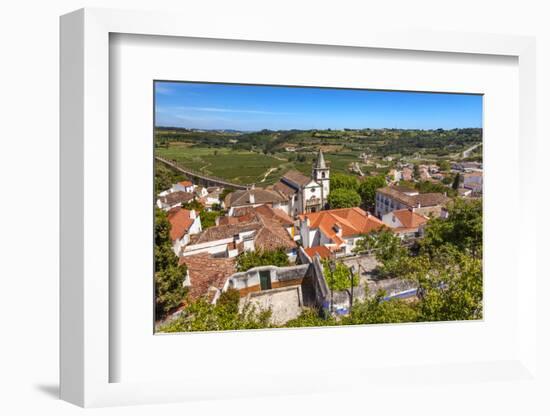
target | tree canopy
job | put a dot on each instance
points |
(341, 181)
(339, 279)
(250, 259)
(169, 275)
(343, 198)
(367, 190)
(226, 314)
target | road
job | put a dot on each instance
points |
(467, 152)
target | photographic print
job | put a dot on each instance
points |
(286, 206)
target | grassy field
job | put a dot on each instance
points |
(239, 166)
(242, 166)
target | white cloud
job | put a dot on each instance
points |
(163, 90)
(231, 110)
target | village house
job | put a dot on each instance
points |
(183, 224)
(405, 222)
(393, 198)
(245, 214)
(211, 197)
(407, 174)
(207, 275)
(473, 181)
(337, 229)
(174, 199)
(254, 197)
(183, 186)
(200, 192)
(394, 175)
(232, 237)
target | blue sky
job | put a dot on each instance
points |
(251, 107)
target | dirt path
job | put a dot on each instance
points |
(268, 173)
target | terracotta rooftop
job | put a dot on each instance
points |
(186, 183)
(246, 214)
(261, 196)
(274, 214)
(177, 197)
(351, 221)
(412, 201)
(272, 236)
(207, 272)
(410, 219)
(322, 251)
(268, 223)
(222, 232)
(295, 177)
(180, 221)
(283, 188)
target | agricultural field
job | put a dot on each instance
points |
(240, 166)
(262, 157)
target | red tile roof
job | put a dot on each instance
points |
(186, 183)
(268, 224)
(410, 219)
(295, 177)
(274, 214)
(207, 272)
(180, 221)
(412, 201)
(261, 196)
(351, 221)
(323, 252)
(177, 197)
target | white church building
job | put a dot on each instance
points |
(306, 194)
(295, 193)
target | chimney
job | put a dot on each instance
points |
(251, 198)
(192, 214)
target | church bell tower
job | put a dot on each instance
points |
(321, 175)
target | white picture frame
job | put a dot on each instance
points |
(85, 213)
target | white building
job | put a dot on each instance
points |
(473, 181)
(257, 232)
(183, 224)
(170, 200)
(393, 198)
(306, 194)
(405, 222)
(183, 186)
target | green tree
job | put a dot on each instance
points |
(444, 165)
(169, 275)
(376, 310)
(427, 187)
(249, 259)
(387, 249)
(339, 280)
(456, 182)
(416, 172)
(208, 218)
(367, 190)
(343, 198)
(193, 204)
(201, 315)
(463, 228)
(311, 317)
(341, 181)
(450, 285)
